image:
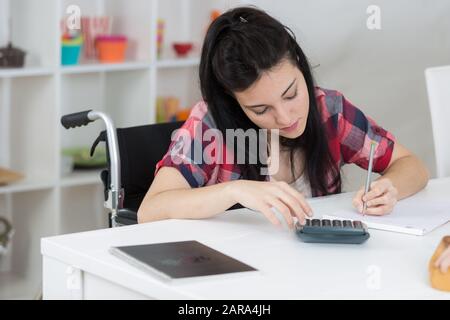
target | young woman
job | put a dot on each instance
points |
(254, 75)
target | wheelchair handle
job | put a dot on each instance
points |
(84, 118)
(78, 119)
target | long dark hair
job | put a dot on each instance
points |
(239, 46)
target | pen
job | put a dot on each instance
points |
(369, 172)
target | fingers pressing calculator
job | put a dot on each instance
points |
(332, 231)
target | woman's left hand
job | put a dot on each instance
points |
(381, 199)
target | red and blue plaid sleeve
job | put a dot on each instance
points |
(350, 132)
(356, 131)
(186, 151)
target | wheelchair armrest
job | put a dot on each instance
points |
(126, 217)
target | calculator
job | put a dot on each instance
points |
(332, 231)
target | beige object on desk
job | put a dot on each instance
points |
(439, 280)
(8, 176)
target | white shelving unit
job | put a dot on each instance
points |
(33, 99)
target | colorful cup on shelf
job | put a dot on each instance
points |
(183, 114)
(215, 14)
(160, 37)
(71, 45)
(111, 48)
(168, 109)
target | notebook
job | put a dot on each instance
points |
(179, 260)
(412, 216)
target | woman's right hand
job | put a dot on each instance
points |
(264, 195)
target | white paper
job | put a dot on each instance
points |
(412, 216)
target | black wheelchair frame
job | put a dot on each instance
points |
(132, 154)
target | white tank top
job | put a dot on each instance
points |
(303, 186)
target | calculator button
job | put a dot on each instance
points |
(315, 223)
(326, 223)
(337, 223)
(308, 222)
(357, 224)
(347, 224)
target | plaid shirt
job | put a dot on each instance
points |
(349, 133)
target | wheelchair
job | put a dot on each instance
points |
(132, 155)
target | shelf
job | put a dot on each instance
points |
(81, 178)
(27, 184)
(25, 72)
(82, 209)
(105, 67)
(14, 287)
(33, 98)
(178, 63)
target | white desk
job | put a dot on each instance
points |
(388, 265)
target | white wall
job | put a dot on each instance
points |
(382, 71)
(4, 23)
